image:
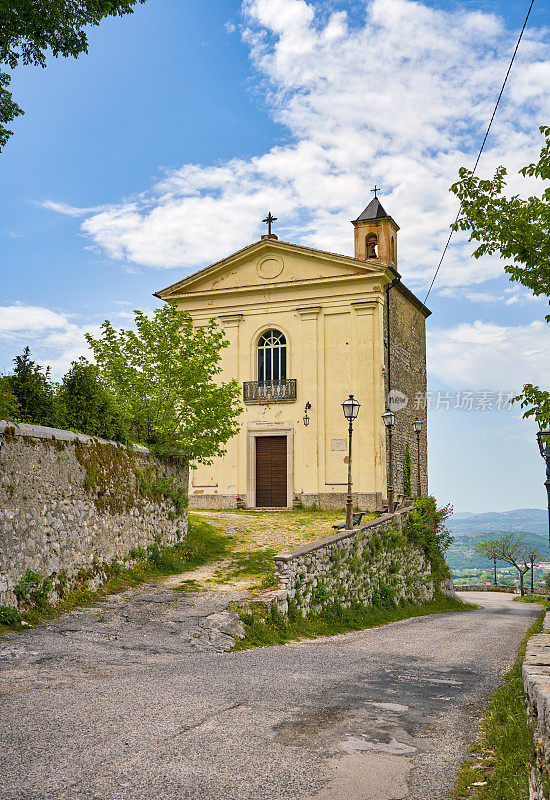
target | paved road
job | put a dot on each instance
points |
(381, 714)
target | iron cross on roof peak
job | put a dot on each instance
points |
(269, 219)
(376, 189)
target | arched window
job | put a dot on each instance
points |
(392, 250)
(272, 356)
(370, 246)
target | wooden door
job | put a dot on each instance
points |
(271, 487)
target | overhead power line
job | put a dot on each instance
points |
(482, 145)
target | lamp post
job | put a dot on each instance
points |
(417, 425)
(543, 438)
(532, 555)
(306, 409)
(495, 569)
(389, 421)
(351, 409)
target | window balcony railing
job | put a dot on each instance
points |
(269, 391)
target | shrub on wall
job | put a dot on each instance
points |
(33, 589)
(425, 527)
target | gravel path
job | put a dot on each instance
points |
(130, 712)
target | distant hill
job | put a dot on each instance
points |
(461, 553)
(521, 520)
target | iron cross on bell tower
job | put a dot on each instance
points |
(269, 219)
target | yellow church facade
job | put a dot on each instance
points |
(306, 328)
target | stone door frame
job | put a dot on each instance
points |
(269, 429)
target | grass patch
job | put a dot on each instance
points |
(273, 628)
(500, 759)
(541, 599)
(190, 585)
(297, 518)
(202, 545)
(255, 563)
(205, 543)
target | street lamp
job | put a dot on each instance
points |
(306, 409)
(417, 425)
(389, 421)
(543, 438)
(351, 409)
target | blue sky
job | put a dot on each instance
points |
(190, 117)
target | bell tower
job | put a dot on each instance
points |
(376, 235)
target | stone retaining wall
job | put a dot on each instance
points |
(484, 587)
(70, 503)
(536, 681)
(372, 562)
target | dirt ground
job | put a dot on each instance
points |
(256, 533)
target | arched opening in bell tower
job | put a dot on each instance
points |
(371, 243)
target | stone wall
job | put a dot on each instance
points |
(536, 681)
(69, 503)
(484, 587)
(368, 564)
(408, 376)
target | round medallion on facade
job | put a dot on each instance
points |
(270, 267)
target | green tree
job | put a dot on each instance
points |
(33, 390)
(163, 375)
(407, 473)
(510, 549)
(31, 28)
(84, 404)
(9, 407)
(517, 229)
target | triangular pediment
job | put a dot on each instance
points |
(269, 262)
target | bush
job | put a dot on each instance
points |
(33, 589)
(9, 616)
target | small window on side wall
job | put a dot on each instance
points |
(370, 250)
(392, 250)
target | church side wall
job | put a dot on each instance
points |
(408, 376)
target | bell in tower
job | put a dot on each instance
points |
(370, 246)
(376, 235)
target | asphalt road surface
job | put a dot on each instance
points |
(382, 714)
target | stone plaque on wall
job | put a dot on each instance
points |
(338, 444)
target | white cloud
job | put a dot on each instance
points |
(510, 296)
(483, 355)
(68, 210)
(402, 99)
(53, 337)
(20, 318)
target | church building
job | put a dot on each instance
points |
(306, 329)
